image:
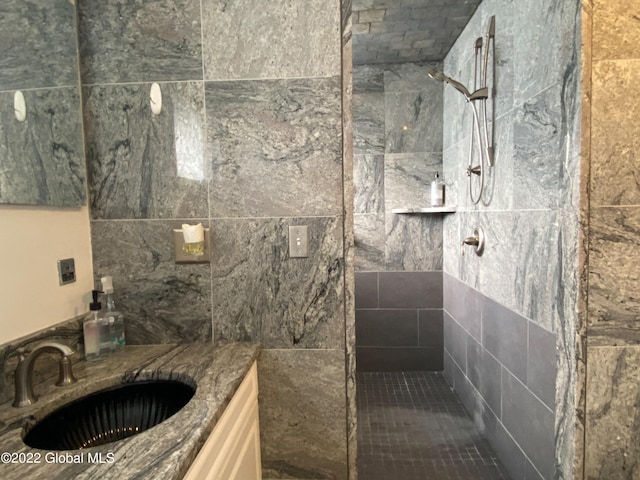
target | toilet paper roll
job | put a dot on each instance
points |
(193, 233)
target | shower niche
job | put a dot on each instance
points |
(481, 100)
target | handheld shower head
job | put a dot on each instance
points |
(436, 75)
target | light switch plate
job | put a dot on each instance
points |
(298, 241)
(66, 271)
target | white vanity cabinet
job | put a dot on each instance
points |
(232, 451)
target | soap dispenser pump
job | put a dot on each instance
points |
(437, 191)
(91, 328)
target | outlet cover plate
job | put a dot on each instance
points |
(66, 271)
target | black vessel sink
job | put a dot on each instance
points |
(110, 415)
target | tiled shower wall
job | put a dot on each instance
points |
(511, 314)
(613, 343)
(248, 143)
(398, 148)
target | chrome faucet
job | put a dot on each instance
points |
(24, 371)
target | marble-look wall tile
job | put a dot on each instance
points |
(140, 41)
(537, 166)
(368, 79)
(302, 416)
(614, 284)
(412, 77)
(505, 60)
(368, 179)
(414, 242)
(393, 242)
(38, 44)
(451, 238)
(462, 50)
(347, 26)
(571, 341)
(275, 147)
(369, 242)
(612, 446)
(457, 114)
(287, 39)
(412, 120)
(615, 133)
(368, 117)
(407, 179)
(542, 44)
(615, 30)
(261, 294)
(349, 242)
(142, 165)
(612, 71)
(520, 267)
(454, 166)
(42, 157)
(162, 302)
(504, 189)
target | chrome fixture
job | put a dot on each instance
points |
(481, 92)
(477, 95)
(476, 241)
(24, 371)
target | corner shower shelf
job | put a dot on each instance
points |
(427, 210)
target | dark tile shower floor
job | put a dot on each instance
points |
(411, 425)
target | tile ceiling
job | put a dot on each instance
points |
(396, 31)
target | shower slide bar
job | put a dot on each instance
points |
(480, 94)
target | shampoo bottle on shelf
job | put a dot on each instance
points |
(114, 317)
(437, 191)
(91, 329)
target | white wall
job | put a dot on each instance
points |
(32, 240)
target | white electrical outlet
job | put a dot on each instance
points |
(298, 241)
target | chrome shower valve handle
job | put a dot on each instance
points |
(477, 241)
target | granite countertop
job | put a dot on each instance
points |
(165, 451)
